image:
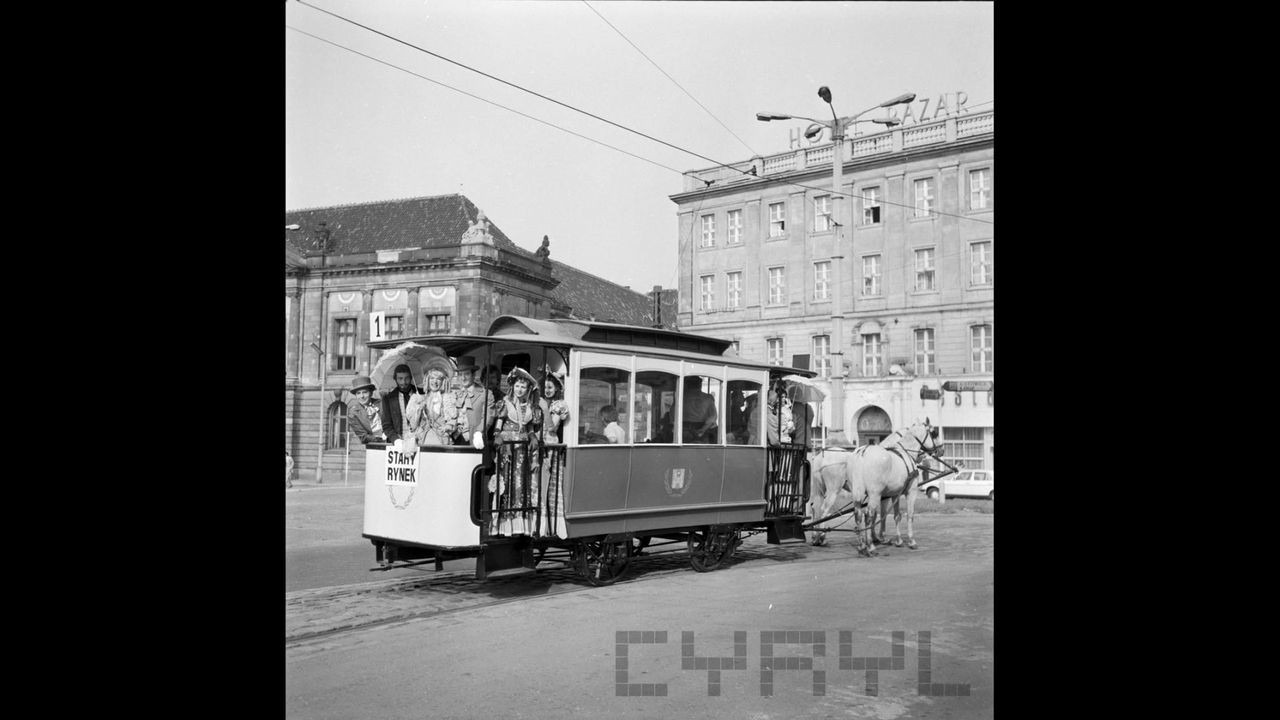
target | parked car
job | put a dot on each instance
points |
(966, 483)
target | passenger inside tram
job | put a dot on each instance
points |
(700, 420)
(613, 432)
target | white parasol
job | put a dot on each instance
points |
(418, 357)
(803, 389)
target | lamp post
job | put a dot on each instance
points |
(837, 126)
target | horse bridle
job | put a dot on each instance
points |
(920, 450)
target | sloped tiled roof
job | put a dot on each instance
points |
(441, 221)
(592, 297)
(408, 223)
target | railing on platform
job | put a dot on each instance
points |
(526, 493)
(786, 489)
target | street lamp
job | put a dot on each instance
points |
(838, 125)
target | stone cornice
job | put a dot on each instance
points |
(822, 174)
(465, 262)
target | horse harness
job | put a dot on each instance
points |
(907, 460)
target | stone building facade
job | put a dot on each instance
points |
(431, 265)
(759, 257)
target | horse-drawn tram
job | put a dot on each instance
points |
(605, 438)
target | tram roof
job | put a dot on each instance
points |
(614, 337)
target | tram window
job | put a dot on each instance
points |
(743, 395)
(655, 407)
(598, 389)
(700, 418)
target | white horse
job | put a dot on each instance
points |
(870, 477)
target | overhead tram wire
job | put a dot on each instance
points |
(673, 80)
(520, 88)
(477, 97)
(717, 163)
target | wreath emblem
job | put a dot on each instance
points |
(677, 481)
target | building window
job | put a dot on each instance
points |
(708, 230)
(708, 294)
(924, 352)
(435, 323)
(924, 197)
(775, 350)
(344, 357)
(871, 275)
(395, 327)
(822, 280)
(924, 269)
(733, 288)
(980, 189)
(871, 206)
(822, 213)
(871, 355)
(777, 219)
(984, 354)
(777, 285)
(735, 227)
(983, 263)
(394, 330)
(336, 427)
(822, 355)
(962, 447)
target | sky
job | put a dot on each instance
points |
(358, 130)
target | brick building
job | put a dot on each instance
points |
(432, 265)
(759, 255)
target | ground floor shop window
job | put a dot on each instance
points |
(964, 445)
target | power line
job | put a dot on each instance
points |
(751, 172)
(673, 80)
(511, 84)
(477, 97)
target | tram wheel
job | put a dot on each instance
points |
(709, 549)
(602, 563)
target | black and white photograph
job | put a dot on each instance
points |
(639, 359)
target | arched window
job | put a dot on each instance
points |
(336, 427)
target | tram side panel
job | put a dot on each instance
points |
(645, 488)
(424, 499)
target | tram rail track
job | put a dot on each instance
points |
(355, 608)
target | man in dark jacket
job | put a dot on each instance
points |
(393, 402)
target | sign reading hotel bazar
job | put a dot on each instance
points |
(922, 110)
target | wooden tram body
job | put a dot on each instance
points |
(663, 482)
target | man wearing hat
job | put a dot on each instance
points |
(394, 422)
(472, 398)
(364, 418)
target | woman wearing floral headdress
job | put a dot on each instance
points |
(555, 413)
(433, 416)
(519, 419)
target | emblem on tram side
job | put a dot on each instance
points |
(402, 471)
(677, 481)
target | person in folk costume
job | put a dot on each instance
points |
(476, 405)
(364, 416)
(555, 413)
(788, 416)
(774, 408)
(519, 418)
(433, 416)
